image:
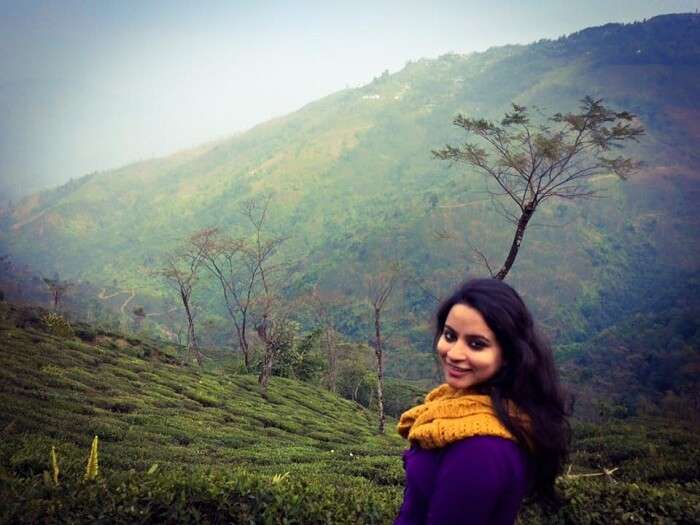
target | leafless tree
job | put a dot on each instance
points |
(181, 270)
(531, 163)
(243, 267)
(58, 289)
(379, 288)
(322, 303)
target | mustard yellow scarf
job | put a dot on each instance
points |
(449, 415)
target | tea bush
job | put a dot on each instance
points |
(199, 497)
(598, 502)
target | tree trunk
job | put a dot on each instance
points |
(380, 369)
(268, 358)
(243, 344)
(192, 345)
(266, 370)
(515, 246)
(332, 361)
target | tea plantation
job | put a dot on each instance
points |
(180, 444)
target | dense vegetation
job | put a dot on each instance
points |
(181, 444)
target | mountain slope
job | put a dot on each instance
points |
(352, 180)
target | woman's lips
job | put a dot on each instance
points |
(455, 371)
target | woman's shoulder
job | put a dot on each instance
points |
(496, 459)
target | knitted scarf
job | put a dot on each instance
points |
(449, 415)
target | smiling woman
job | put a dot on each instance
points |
(468, 349)
(496, 430)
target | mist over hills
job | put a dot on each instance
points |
(353, 183)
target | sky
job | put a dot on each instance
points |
(92, 85)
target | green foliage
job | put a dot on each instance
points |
(399, 396)
(57, 324)
(200, 497)
(187, 445)
(653, 354)
(57, 392)
(303, 360)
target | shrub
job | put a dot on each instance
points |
(589, 502)
(57, 324)
(198, 497)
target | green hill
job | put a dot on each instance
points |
(353, 180)
(182, 444)
(148, 409)
(61, 390)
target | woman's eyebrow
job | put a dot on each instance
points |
(478, 336)
(473, 336)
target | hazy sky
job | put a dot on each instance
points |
(95, 84)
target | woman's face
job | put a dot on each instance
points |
(468, 349)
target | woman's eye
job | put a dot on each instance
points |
(449, 336)
(477, 344)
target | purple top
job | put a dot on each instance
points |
(477, 480)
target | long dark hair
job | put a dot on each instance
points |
(527, 378)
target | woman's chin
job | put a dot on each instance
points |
(464, 381)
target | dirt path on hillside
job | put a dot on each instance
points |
(103, 295)
(132, 294)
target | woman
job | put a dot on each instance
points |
(496, 430)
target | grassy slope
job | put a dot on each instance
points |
(146, 409)
(217, 444)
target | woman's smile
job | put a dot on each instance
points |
(456, 371)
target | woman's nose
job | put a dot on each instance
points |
(458, 351)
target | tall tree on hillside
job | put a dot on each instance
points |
(243, 267)
(273, 317)
(181, 270)
(322, 305)
(379, 288)
(58, 289)
(531, 163)
(139, 314)
(275, 330)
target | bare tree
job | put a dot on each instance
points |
(379, 288)
(242, 266)
(532, 163)
(321, 304)
(273, 324)
(58, 289)
(181, 270)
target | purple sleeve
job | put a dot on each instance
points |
(481, 480)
